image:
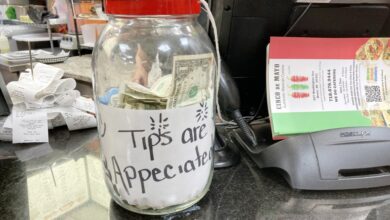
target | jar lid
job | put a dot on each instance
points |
(152, 7)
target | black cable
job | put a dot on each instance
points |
(245, 128)
(285, 34)
(259, 107)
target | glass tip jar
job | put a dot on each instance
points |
(154, 87)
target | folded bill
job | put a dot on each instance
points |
(190, 83)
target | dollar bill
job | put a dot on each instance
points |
(193, 80)
(129, 99)
(136, 90)
(130, 102)
(163, 86)
(117, 101)
(136, 96)
(190, 83)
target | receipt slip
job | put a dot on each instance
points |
(35, 88)
(46, 74)
(84, 104)
(76, 119)
(29, 127)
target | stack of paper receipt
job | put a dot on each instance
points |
(42, 101)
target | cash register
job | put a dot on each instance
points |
(338, 159)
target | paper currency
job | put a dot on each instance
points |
(117, 101)
(163, 86)
(127, 90)
(132, 103)
(135, 96)
(190, 82)
(192, 77)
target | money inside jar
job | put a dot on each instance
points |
(158, 91)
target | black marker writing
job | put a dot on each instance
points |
(157, 174)
(190, 135)
(117, 172)
(157, 138)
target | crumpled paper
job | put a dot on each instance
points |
(44, 97)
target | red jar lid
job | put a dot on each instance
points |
(152, 7)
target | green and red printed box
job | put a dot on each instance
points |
(316, 84)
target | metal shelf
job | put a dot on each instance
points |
(52, 23)
(77, 17)
(17, 22)
(92, 18)
(57, 21)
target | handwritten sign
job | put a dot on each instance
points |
(157, 158)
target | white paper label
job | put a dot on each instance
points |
(157, 158)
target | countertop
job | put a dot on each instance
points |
(77, 67)
(64, 180)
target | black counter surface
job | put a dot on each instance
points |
(64, 180)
